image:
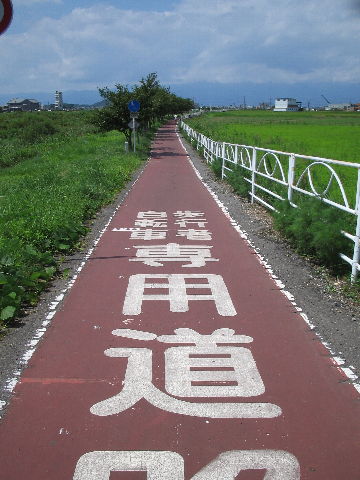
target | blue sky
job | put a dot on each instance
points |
(218, 51)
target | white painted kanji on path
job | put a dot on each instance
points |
(189, 218)
(188, 214)
(192, 234)
(207, 369)
(152, 214)
(157, 220)
(152, 219)
(150, 223)
(149, 234)
(166, 465)
(177, 292)
(181, 380)
(155, 255)
(186, 367)
(183, 223)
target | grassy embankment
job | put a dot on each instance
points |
(315, 228)
(56, 172)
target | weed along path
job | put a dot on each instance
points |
(177, 356)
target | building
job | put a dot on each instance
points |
(264, 106)
(59, 105)
(22, 105)
(286, 105)
(338, 106)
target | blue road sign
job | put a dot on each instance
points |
(6, 13)
(134, 105)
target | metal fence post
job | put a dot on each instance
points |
(291, 176)
(236, 154)
(354, 270)
(223, 160)
(253, 168)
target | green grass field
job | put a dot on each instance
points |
(324, 134)
(315, 228)
(332, 135)
(47, 198)
(25, 135)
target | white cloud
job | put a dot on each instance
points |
(225, 41)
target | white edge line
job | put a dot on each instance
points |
(354, 379)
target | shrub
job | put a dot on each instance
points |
(24, 272)
(314, 229)
(35, 130)
(216, 167)
(236, 178)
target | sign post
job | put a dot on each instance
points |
(134, 107)
(6, 13)
(134, 133)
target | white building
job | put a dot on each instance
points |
(338, 106)
(286, 105)
(58, 101)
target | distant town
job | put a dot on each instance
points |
(280, 105)
(33, 105)
(289, 105)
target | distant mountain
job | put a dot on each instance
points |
(93, 105)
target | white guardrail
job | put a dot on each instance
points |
(257, 161)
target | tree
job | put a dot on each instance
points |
(155, 103)
(146, 94)
(115, 116)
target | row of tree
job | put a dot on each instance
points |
(156, 102)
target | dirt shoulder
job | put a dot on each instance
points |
(335, 317)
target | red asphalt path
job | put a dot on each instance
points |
(218, 404)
